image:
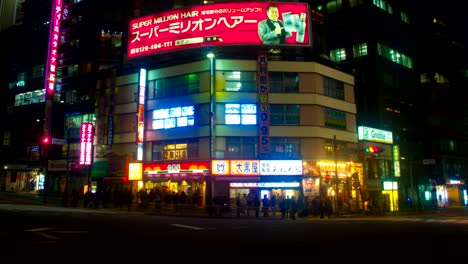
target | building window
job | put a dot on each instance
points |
(183, 150)
(335, 118)
(285, 148)
(241, 148)
(38, 71)
(176, 86)
(282, 114)
(395, 56)
(333, 6)
(360, 50)
(240, 114)
(238, 81)
(284, 82)
(333, 88)
(33, 97)
(404, 17)
(383, 5)
(338, 54)
(440, 78)
(166, 118)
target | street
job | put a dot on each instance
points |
(45, 231)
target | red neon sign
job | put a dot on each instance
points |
(86, 143)
(176, 167)
(54, 39)
(215, 25)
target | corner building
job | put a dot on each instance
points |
(249, 119)
(184, 150)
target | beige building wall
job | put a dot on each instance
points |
(312, 131)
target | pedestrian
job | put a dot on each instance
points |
(273, 204)
(257, 204)
(265, 205)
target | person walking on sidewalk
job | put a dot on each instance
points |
(265, 205)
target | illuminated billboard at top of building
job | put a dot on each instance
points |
(240, 23)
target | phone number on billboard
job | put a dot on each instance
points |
(154, 46)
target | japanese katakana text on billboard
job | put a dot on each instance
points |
(248, 23)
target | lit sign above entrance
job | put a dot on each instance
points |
(256, 167)
(375, 135)
(181, 168)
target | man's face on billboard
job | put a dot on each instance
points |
(273, 13)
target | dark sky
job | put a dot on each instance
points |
(455, 14)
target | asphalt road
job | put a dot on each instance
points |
(64, 235)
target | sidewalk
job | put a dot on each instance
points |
(191, 211)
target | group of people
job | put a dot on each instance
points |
(253, 203)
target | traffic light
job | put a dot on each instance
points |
(374, 150)
(327, 179)
(46, 140)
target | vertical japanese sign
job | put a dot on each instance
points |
(264, 117)
(54, 39)
(141, 113)
(86, 143)
(220, 24)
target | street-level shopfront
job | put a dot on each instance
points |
(261, 178)
(177, 181)
(201, 181)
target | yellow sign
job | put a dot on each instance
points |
(135, 171)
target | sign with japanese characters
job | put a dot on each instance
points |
(86, 143)
(281, 167)
(264, 184)
(239, 23)
(256, 167)
(176, 168)
(54, 38)
(264, 103)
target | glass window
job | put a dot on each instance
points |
(176, 86)
(360, 50)
(395, 56)
(404, 17)
(282, 114)
(241, 148)
(335, 118)
(338, 54)
(173, 117)
(240, 114)
(284, 82)
(180, 150)
(285, 148)
(239, 81)
(333, 88)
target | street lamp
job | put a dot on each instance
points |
(211, 56)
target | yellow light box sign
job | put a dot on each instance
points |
(135, 171)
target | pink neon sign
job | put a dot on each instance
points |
(216, 25)
(86, 142)
(54, 39)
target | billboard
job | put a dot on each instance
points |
(240, 23)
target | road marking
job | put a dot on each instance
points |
(189, 227)
(70, 232)
(38, 229)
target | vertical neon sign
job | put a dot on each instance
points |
(86, 143)
(141, 113)
(54, 38)
(264, 118)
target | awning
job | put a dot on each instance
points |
(100, 169)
